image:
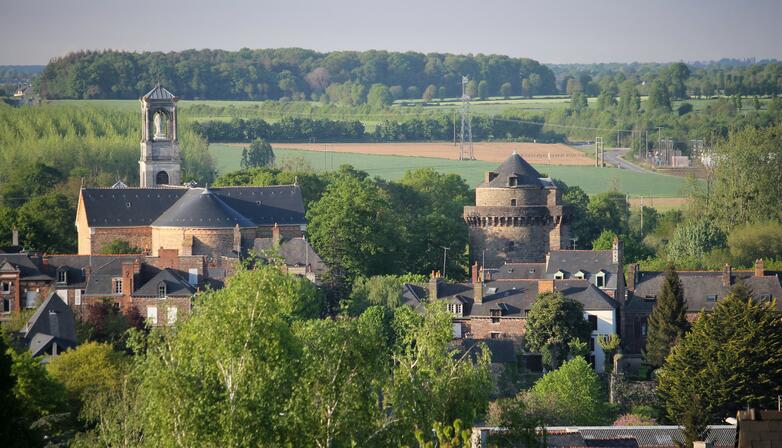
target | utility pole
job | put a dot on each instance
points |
(445, 256)
(466, 124)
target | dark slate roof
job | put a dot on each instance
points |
(519, 271)
(514, 166)
(500, 350)
(588, 261)
(514, 298)
(295, 252)
(700, 284)
(722, 436)
(201, 208)
(53, 321)
(26, 264)
(103, 271)
(175, 285)
(413, 296)
(73, 265)
(127, 207)
(159, 93)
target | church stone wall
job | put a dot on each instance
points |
(212, 242)
(140, 237)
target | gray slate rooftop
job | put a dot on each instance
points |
(515, 166)
(201, 208)
(52, 322)
(588, 261)
(159, 93)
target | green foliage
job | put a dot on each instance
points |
(379, 96)
(379, 290)
(747, 181)
(483, 89)
(695, 239)
(259, 155)
(570, 395)
(659, 99)
(15, 430)
(667, 323)
(519, 423)
(46, 223)
(730, 360)
(445, 436)
(610, 344)
(505, 89)
(41, 394)
(752, 241)
(119, 246)
(552, 323)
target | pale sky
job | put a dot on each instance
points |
(555, 31)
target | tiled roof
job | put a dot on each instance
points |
(722, 436)
(129, 207)
(514, 166)
(27, 267)
(53, 321)
(500, 350)
(519, 271)
(176, 286)
(295, 252)
(702, 289)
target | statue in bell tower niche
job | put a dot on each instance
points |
(160, 162)
(160, 126)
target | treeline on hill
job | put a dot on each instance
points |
(405, 128)
(49, 151)
(293, 73)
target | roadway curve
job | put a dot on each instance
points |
(613, 157)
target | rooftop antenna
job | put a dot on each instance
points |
(466, 124)
(445, 256)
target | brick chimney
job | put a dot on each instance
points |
(760, 268)
(475, 271)
(168, 258)
(276, 236)
(237, 240)
(545, 286)
(128, 271)
(15, 236)
(632, 276)
(477, 284)
(617, 251)
(726, 274)
(434, 285)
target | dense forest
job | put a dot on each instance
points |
(291, 73)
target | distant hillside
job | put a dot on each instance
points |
(18, 73)
(346, 76)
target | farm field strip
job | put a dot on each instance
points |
(592, 179)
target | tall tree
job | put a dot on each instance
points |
(659, 100)
(553, 322)
(379, 96)
(668, 322)
(731, 359)
(483, 89)
(505, 89)
(259, 155)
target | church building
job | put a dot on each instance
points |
(163, 214)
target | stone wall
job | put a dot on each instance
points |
(524, 196)
(140, 237)
(505, 244)
(512, 328)
(182, 304)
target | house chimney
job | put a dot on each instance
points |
(434, 285)
(726, 273)
(45, 259)
(632, 276)
(237, 240)
(760, 268)
(276, 237)
(15, 236)
(475, 271)
(617, 251)
(477, 285)
(128, 271)
(545, 286)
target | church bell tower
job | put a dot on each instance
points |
(160, 160)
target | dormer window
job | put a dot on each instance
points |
(116, 285)
(62, 276)
(512, 202)
(600, 279)
(161, 290)
(580, 275)
(512, 181)
(559, 275)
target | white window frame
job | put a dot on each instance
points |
(600, 279)
(559, 275)
(10, 305)
(5, 287)
(77, 297)
(192, 276)
(117, 285)
(64, 274)
(171, 315)
(152, 315)
(63, 294)
(162, 291)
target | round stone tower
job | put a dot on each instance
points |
(518, 216)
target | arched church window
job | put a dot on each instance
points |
(161, 178)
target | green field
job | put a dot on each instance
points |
(591, 179)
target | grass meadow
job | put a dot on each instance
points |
(592, 179)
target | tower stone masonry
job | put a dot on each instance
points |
(160, 162)
(518, 216)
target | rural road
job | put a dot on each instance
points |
(613, 157)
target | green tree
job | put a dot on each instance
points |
(659, 100)
(46, 223)
(570, 395)
(606, 100)
(379, 290)
(413, 92)
(526, 89)
(430, 92)
(667, 323)
(578, 102)
(505, 90)
(730, 360)
(695, 239)
(28, 181)
(756, 103)
(519, 423)
(379, 96)
(355, 227)
(610, 344)
(483, 89)
(442, 93)
(679, 73)
(752, 241)
(552, 323)
(119, 246)
(629, 100)
(15, 430)
(472, 89)
(260, 154)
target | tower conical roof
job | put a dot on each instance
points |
(200, 208)
(514, 166)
